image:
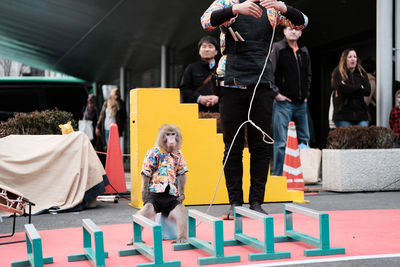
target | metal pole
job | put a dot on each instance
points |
(384, 40)
(122, 82)
(163, 66)
(94, 88)
(122, 94)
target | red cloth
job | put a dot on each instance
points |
(394, 121)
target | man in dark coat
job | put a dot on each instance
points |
(292, 69)
(198, 84)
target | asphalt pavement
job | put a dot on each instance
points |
(121, 213)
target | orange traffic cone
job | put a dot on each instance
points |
(114, 165)
(292, 165)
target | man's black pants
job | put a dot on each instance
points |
(234, 107)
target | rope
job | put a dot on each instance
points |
(248, 120)
(105, 153)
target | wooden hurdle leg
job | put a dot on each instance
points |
(193, 242)
(154, 253)
(95, 255)
(322, 244)
(267, 247)
(34, 249)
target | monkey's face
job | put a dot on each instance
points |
(169, 138)
(170, 141)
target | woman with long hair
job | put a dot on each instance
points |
(113, 111)
(350, 84)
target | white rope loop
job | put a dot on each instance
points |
(265, 135)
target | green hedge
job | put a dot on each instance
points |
(36, 123)
(357, 137)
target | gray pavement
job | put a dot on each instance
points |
(120, 213)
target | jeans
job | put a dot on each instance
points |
(350, 123)
(234, 106)
(106, 133)
(283, 113)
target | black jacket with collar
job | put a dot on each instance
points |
(292, 73)
(193, 77)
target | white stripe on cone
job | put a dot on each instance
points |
(292, 133)
(291, 170)
(292, 152)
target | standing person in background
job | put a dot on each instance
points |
(350, 84)
(394, 119)
(113, 111)
(246, 34)
(198, 84)
(91, 114)
(291, 64)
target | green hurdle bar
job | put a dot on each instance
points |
(217, 250)
(97, 255)
(322, 244)
(267, 247)
(153, 253)
(34, 248)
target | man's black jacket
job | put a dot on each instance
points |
(292, 74)
(193, 77)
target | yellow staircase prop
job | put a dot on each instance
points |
(202, 147)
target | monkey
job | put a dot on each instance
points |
(164, 179)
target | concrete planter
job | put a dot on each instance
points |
(347, 170)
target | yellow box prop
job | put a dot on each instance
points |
(202, 147)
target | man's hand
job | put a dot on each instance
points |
(247, 8)
(212, 100)
(278, 5)
(281, 98)
(208, 100)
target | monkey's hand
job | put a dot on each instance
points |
(145, 187)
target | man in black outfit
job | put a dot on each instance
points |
(247, 28)
(198, 84)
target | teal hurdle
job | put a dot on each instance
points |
(97, 255)
(154, 253)
(217, 250)
(267, 247)
(34, 248)
(322, 244)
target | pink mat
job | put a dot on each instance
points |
(360, 232)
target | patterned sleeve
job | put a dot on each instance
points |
(216, 5)
(181, 168)
(150, 162)
(284, 21)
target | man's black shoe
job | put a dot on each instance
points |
(257, 207)
(229, 215)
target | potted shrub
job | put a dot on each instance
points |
(37, 122)
(360, 159)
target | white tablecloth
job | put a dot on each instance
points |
(61, 171)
